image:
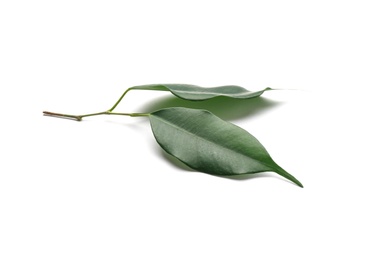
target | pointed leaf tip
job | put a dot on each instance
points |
(209, 144)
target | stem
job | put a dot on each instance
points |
(119, 100)
(74, 117)
(80, 117)
(144, 87)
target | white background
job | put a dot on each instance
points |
(103, 188)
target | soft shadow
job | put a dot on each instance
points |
(140, 124)
(175, 162)
(245, 177)
(256, 175)
(224, 107)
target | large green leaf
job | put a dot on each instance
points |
(209, 144)
(192, 92)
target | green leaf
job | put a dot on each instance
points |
(193, 92)
(209, 144)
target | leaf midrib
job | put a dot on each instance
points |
(214, 93)
(210, 141)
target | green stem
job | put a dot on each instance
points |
(119, 100)
(144, 87)
(80, 117)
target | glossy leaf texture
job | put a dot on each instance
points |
(193, 92)
(209, 144)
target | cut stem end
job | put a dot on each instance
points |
(65, 116)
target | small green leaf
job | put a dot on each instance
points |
(193, 92)
(209, 144)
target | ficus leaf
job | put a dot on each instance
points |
(209, 144)
(193, 92)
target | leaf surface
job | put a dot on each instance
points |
(193, 92)
(209, 144)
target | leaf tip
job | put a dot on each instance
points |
(279, 170)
